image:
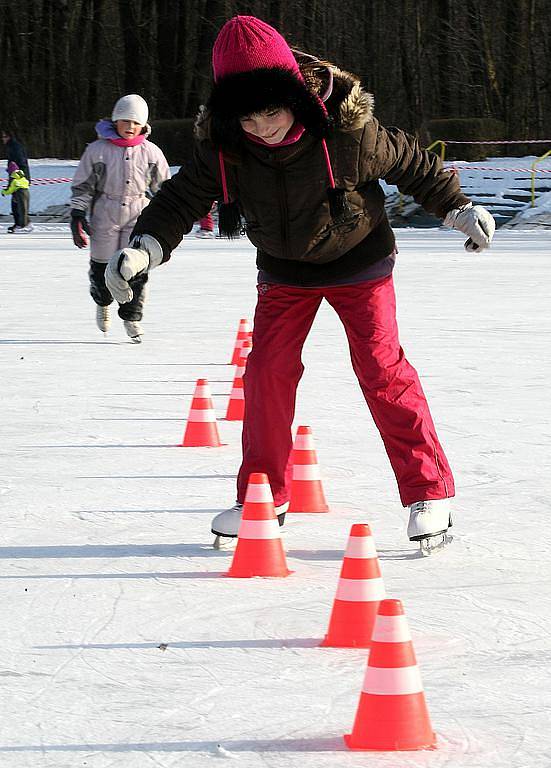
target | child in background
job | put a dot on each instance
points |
(18, 188)
(291, 145)
(206, 226)
(116, 177)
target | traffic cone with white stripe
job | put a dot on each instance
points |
(306, 488)
(259, 551)
(236, 404)
(201, 427)
(243, 332)
(392, 714)
(246, 349)
(359, 592)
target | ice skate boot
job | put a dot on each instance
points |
(204, 234)
(225, 525)
(134, 330)
(103, 318)
(428, 524)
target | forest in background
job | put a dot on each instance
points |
(64, 62)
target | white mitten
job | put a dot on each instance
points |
(143, 254)
(475, 222)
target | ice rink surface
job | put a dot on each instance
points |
(123, 644)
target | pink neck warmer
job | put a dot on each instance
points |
(293, 134)
(120, 142)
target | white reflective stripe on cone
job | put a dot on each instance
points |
(360, 590)
(202, 391)
(306, 472)
(391, 629)
(304, 443)
(206, 414)
(237, 394)
(361, 547)
(392, 681)
(259, 529)
(259, 493)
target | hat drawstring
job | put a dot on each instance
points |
(339, 207)
(229, 217)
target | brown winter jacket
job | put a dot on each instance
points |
(282, 192)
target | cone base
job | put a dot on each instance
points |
(258, 557)
(348, 741)
(200, 434)
(391, 724)
(235, 414)
(307, 496)
(351, 625)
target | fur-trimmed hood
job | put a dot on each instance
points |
(348, 105)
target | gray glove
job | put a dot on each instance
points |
(475, 222)
(143, 254)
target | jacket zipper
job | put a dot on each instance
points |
(283, 211)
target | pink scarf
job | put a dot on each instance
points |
(293, 134)
(120, 142)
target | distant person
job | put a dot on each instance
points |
(291, 145)
(206, 226)
(16, 154)
(116, 177)
(18, 188)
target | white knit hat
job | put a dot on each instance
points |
(131, 107)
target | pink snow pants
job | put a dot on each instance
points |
(283, 318)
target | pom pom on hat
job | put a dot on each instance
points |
(131, 107)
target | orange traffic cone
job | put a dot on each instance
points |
(392, 713)
(236, 404)
(359, 592)
(201, 427)
(306, 488)
(242, 334)
(246, 349)
(259, 551)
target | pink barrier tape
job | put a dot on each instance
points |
(453, 167)
(45, 181)
(514, 141)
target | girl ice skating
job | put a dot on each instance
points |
(116, 177)
(293, 148)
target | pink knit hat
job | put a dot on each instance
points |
(12, 166)
(246, 43)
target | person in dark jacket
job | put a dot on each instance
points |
(18, 188)
(15, 152)
(17, 159)
(291, 146)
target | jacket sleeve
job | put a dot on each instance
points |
(182, 200)
(83, 188)
(11, 188)
(395, 156)
(160, 172)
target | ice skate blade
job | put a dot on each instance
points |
(136, 339)
(224, 542)
(433, 544)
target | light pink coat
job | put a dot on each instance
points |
(114, 184)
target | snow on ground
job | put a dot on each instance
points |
(123, 644)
